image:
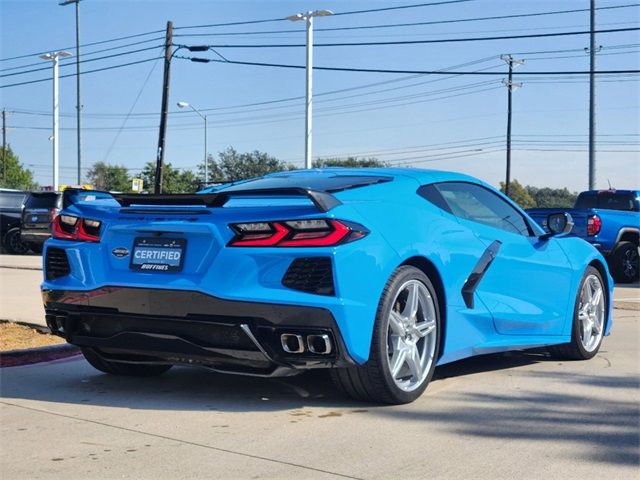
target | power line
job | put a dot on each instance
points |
(114, 55)
(102, 50)
(415, 24)
(101, 42)
(402, 7)
(421, 72)
(420, 42)
(372, 10)
(83, 73)
(135, 102)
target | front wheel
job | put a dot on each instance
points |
(405, 343)
(589, 319)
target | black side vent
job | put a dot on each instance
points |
(311, 275)
(56, 263)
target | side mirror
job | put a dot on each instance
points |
(558, 223)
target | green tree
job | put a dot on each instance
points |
(519, 194)
(370, 162)
(232, 165)
(552, 197)
(173, 179)
(109, 177)
(17, 176)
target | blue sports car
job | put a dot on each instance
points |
(378, 275)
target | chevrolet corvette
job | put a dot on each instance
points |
(378, 275)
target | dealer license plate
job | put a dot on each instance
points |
(158, 254)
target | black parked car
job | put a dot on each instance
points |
(10, 211)
(40, 208)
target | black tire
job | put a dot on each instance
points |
(14, 244)
(36, 247)
(372, 382)
(575, 350)
(625, 263)
(120, 368)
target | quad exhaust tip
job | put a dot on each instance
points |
(319, 344)
(292, 343)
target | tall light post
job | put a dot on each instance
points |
(308, 18)
(204, 117)
(55, 58)
(78, 101)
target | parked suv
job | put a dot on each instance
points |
(40, 208)
(10, 210)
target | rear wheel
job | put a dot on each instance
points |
(589, 318)
(14, 244)
(404, 346)
(624, 263)
(120, 368)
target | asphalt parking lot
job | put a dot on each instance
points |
(516, 415)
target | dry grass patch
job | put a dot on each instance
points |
(17, 337)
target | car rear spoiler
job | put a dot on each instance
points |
(322, 200)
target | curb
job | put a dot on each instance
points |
(34, 326)
(28, 356)
(18, 267)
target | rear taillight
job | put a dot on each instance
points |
(68, 227)
(296, 233)
(53, 213)
(594, 224)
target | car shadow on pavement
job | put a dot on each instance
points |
(189, 388)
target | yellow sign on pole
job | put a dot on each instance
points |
(137, 184)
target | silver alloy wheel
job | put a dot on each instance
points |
(591, 313)
(411, 336)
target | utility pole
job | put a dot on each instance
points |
(592, 98)
(78, 96)
(4, 145)
(308, 18)
(168, 53)
(510, 87)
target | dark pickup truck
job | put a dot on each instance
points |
(610, 221)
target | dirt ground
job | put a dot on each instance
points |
(15, 337)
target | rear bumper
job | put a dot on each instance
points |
(188, 327)
(37, 236)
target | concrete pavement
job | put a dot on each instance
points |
(518, 415)
(20, 298)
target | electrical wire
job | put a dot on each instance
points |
(421, 42)
(414, 24)
(114, 55)
(63, 61)
(421, 72)
(101, 42)
(82, 73)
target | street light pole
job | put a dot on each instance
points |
(55, 58)
(204, 117)
(78, 95)
(308, 139)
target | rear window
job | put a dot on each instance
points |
(322, 183)
(11, 199)
(606, 200)
(42, 200)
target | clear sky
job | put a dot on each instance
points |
(455, 123)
